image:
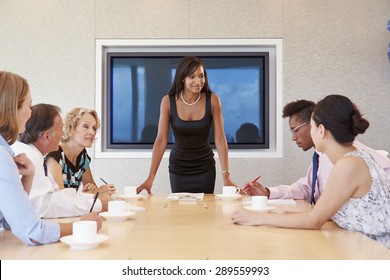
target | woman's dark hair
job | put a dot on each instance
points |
(341, 117)
(186, 66)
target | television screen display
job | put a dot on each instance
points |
(138, 81)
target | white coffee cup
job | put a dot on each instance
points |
(130, 191)
(84, 231)
(259, 202)
(116, 207)
(230, 190)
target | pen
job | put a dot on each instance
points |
(255, 180)
(104, 181)
(94, 200)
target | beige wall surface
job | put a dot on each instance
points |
(329, 46)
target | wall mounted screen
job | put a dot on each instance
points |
(137, 81)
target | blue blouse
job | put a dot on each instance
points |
(16, 212)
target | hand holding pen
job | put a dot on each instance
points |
(255, 180)
(107, 188)
(247, 189)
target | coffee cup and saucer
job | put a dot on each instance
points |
(117, 211)
(84, 236)
(229, 193)
(130, 193)
(259, 203)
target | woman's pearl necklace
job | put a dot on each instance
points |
(189, 104)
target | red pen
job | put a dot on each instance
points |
(255, 180)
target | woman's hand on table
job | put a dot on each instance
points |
(147, 186)
(246, 218)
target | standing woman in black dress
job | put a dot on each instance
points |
(190, 108)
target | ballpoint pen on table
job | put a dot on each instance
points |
(94, 201)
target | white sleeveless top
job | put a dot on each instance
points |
(369, 214)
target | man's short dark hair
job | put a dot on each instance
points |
(301, 108)
(42, 119)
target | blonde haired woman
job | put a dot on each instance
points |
(70, 164)
(16, 212)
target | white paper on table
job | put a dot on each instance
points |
(177, 196)
(281, 202)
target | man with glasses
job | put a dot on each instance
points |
(299, 114)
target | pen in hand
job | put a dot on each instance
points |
(255, 180)
(111, 189)
(94, 201)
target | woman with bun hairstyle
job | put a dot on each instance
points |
(357, 193)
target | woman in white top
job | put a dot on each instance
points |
(357, 193)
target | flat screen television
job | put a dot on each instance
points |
(136, 83)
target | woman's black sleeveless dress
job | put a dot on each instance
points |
(191, 162)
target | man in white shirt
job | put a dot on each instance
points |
(42, 135)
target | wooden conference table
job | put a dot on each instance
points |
(203, 230)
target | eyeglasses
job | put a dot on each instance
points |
(295, 130)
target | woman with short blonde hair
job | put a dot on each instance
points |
(70, 164)
(73, 118)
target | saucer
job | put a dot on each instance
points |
(262, 210)
(68, 240)
(133, 197)
(246, 201)
(116, 217)
(228, 197)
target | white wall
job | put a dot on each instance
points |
(330, 46)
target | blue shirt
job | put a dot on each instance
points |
(16, 212)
